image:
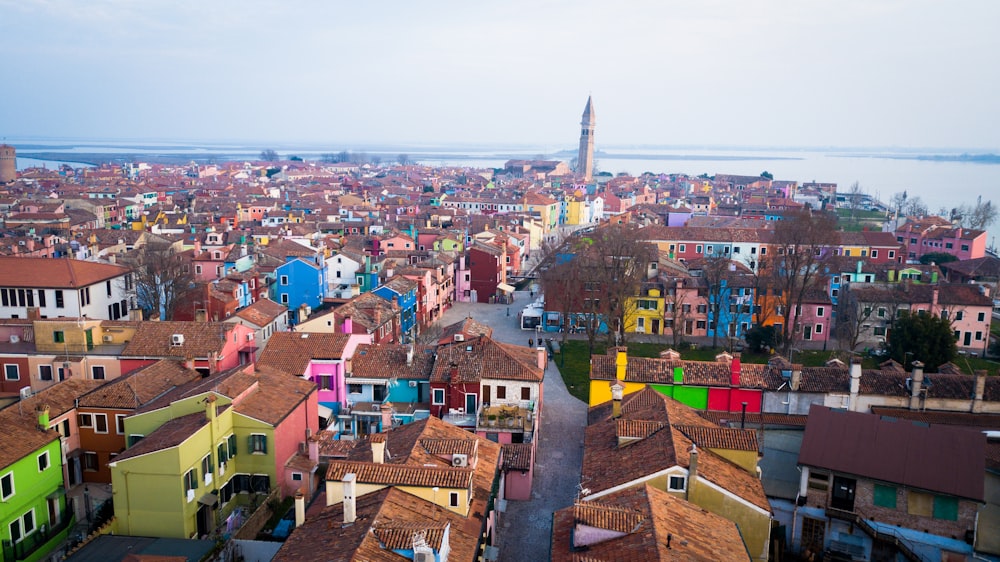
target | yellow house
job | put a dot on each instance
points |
(644, 313)
(574, 210)
(546, 207)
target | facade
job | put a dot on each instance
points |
(265, 317)
(47, 288)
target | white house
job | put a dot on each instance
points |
(341, 278)
(64, 288)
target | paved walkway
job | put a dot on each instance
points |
(526, 527)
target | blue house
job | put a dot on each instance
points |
(387, 385)
(735, 310)
(403, 292)
(299, 282)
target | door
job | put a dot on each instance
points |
(470, 403)
(843, 493)
(640, 325)
(968, 339)
(486, 394)
(807, 332)
(204, 520)
(656, 327)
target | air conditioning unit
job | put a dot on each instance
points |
(413, 384)
(376, 406)
(177, 339)
(107, 339)
(14, 338)
(26, 392)
(423, 556)
(460, 460)
(459, 337)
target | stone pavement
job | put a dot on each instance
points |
(526, 527)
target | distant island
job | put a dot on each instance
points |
(965, 157)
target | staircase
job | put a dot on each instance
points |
(890, 536)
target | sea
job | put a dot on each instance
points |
(941, 178)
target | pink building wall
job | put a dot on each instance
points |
(287, 436)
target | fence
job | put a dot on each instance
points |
(258, 519)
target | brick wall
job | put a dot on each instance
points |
(865, 505)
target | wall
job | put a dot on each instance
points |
(754, 526)
(101, 443)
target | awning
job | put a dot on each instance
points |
(209, 499)
(325, 412)
(505, 288)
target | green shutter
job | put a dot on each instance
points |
(232, 445)
(885, 496)
(263, 442)
(249, 444)
(946, 508)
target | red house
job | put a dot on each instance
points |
(488, 271)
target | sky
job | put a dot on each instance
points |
(760, 73)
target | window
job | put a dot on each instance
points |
(677, 483)
(85, 420)
(223, 452)
(438, 396)
(120, 424)
(43, 461)
(979, 336)
(453, 499)
(981, 317)
(97, 372)
(6, 486)
(60, 303)
(284, 298)
(874, 253)
(881, 312)
(682, 248)
(90, 463)
(206, 468)
(501, 392)
(818, 480)
(191, 480)
(813, 531)
(965, 247)
(232, 446)
(818, 329)
(525, 393)
(297, 476)
(354, 388)
(100, 423)
(885, 496)
(11, 372)
(58, 336)
(945, 508)
(15, 531)
(257, 444)
(697, 249)
(284, 280)
(820, 311)
(959, 315)
(879, 330)
(702, 308)
(134, 438)
(919, 503)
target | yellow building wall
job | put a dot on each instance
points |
(600, 390)
(754, 526)
(574, 212)
(335, 494)
(747, 460)
(74, 333)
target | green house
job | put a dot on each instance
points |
(34, 516)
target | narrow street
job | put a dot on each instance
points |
(526, 526)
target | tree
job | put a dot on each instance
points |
(163, 279)
(937, 257)
(802, 242)
(677, 309)
(979, 216)
(924, 337)
(718, 272)
(767, 175)
(854, 196)
(269, 155)
(762, 339)
(403, 159)
(914, 207)
(620, 261)
(852, 316)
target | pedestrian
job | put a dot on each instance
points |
(531, 342)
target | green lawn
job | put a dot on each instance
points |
(575, 367)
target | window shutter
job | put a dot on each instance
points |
(249, 444)
(263, 442)
(232, 445)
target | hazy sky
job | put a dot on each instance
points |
(908, 73)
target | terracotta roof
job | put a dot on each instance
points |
(468, 327)
(230, 383)
(21, 436)
(516, 456)
(390, 361)
(721, 438)
(448, 446)
(635, 524)
(485, 358)
(170, 434)
(60, 397)
(938, 458)
(262, 312)
(398, 535)
(55, 273)
(139, 387)
(606, 464)
(654, 370)
(155, 339)
(276, 396)
(400, 475)
(291, 352)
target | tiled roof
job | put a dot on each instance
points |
(60, 397)
(398, 535)
(55, 273)
(400, 475)
(485, 358)
(448, 446)
(721, 438)
(139, 387)
(389, 361)
(606, 464)
(154, 339)
(170, 434)
(291, 352)
(637, 429)
(467, 327)
(230, 383)
(262, 312)
(276, 396)
(654, 370)
(638, 522)
(516, 456)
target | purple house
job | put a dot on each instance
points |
(319, 357)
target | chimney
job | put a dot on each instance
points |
(348, 327)
(213, 363)
(377, 441)
(617, 392)
(210, 411)
(386, 411)
(796, 377)
(621, 362)
(916, 381)
(692, 470)
(43, 416)
(734, 371)
(350, 508)
(977, 400)
(314, 448)
(409, 356)
(300, 508)
(855, 383)
(189, 363)
(542, 358)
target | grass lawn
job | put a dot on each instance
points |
(575, 367)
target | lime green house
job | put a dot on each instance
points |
(34, 517)
(200, 452)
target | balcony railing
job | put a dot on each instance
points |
(30, 544)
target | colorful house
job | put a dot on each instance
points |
(213, 346)
(403, 292)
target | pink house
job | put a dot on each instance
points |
(813, 319)
(209, 346)
(935, 234)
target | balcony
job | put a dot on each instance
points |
(506, 417)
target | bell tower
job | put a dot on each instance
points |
(585, 160)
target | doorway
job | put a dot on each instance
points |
(843, 493)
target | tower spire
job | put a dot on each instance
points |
(585, 160)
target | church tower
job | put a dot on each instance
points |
(8, 163)
(585, 160)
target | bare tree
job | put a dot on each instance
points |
(852, 317)
(854, 196)
(914, 207)
(677, 309)
(621, 261)
(979, 216)
(802, 241)
(163, 279)
(403, 159)
(269, 155)
(717, 270)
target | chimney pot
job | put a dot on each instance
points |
(350, 508)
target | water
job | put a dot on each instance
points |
(939, 184)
